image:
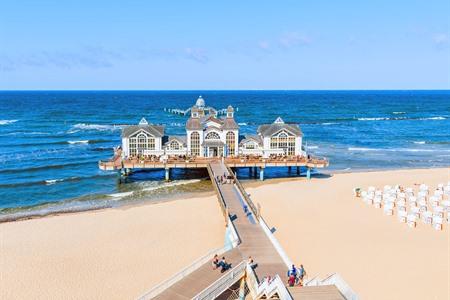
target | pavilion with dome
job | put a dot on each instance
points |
(208, 135)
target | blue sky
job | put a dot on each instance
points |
(225, 45)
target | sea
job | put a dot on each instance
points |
(51, 141)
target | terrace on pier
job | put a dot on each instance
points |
(146, 146)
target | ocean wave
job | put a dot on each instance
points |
(53, 181)
(46, 167)
(398, 112)
(396, 149)
(94, 127)
(433, 118)
(376, 119)
(242, 124)
(328, 123)
(419, 142)
(171, 184)
(121, 195)
(78, 142)
(7, 122)
(313, 147)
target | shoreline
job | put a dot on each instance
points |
(250, 183)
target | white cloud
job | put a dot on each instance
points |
(440, 39)
(293, 39)
(264, 45)
(196, 54)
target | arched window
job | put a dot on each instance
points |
(231, 143)
(195, 143)
(141, 143)
(174, 145)
(212, 136)
(283, 141)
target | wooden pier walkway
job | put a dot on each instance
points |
(254, 243)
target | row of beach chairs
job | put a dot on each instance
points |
(429, 206)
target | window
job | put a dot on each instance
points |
(133, 149)
(174, 145)
(151, 143)
(231, 143)
(195, 143)
(283, 141)
(250, 145)
(212, 136)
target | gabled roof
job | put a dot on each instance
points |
(154, 130)
(179, 138)
(251, 138)
(278, 125)
(199, 123)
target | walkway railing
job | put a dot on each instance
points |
(267, 287)
(275, 243)
(222, 203)
(223, 283)
(244, 193)
(341, 285)
(155, 291)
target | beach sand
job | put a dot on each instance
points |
(107, 254)
(323, 226)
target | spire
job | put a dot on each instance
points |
(143, 121)
(279, 120)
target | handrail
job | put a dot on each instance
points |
(224, 282)
(287, 261)
(244, 193)
(267, 287)
(159, 288)
(341, 285)
(220, 198)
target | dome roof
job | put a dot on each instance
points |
(200, 102)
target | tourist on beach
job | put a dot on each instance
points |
(215, 262)
(291, 280)
(301, 272)
(292, 271)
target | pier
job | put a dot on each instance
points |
(252, 238)
(126, 165)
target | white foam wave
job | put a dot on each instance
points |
(434, 118)
(97, 127)
(373, 119)
(177, 124)
(78, 142)
(171, 184)
(398, 112)
(242, 124)
(7, 122)
(313, 147)
(397, 149)
(121, 195)
(329, 123)
(53, 181)
(419, 142)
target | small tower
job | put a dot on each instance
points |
(195, 112)
(230, 112)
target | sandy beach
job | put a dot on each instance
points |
(323, 226)
(121, 253)
(108, 254)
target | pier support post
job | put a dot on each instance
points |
(167, 174)
(298, 170)
(308, 173)
(261, 173)
(289, 169)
